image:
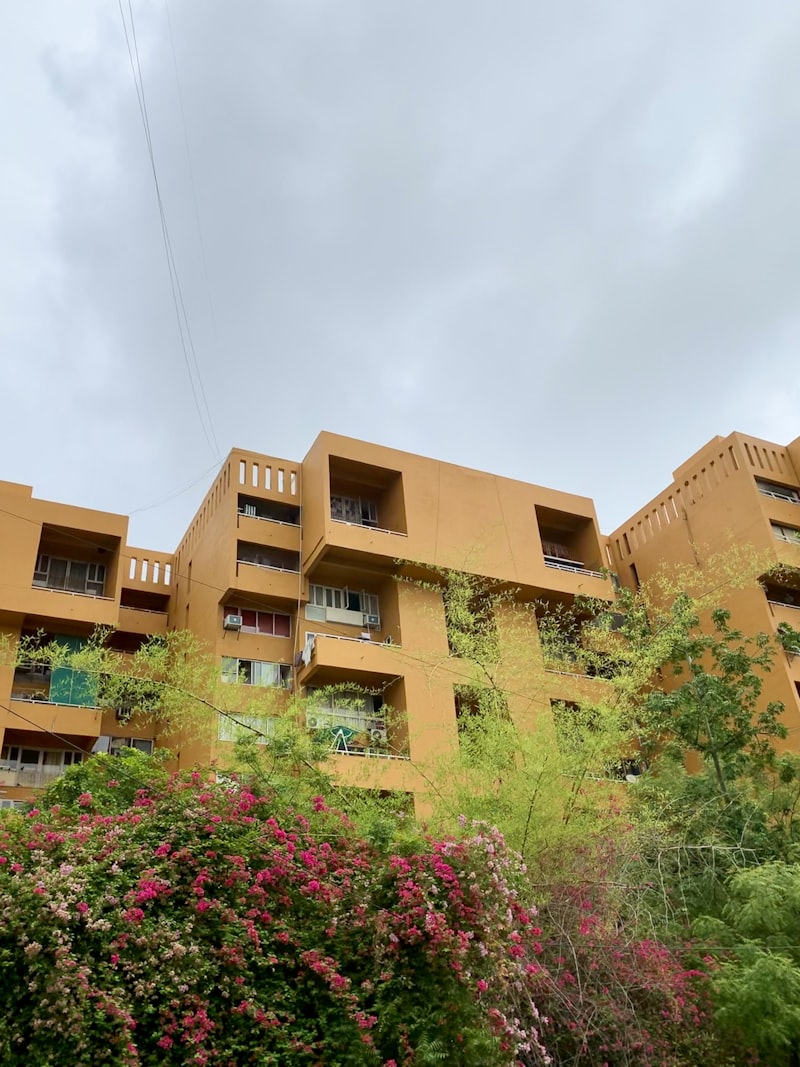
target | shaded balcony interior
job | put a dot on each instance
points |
(785, 592)
(363, 601)
(276, 559)
(356, 722)
(474, 704)
(76, 561)
(41, 678)
(144, 600)
(777, 491)
(25, 763)
(790, 534)
(569, 542)
(269, 510)
(363, 494)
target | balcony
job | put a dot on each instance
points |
(267, 533)
(352, 723)
(268, 572)
(571, 547)
(50, 716)
(557, 556)
(778, 492)
(144, 621)
(275, 511)
(335, 659)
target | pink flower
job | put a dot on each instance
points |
(482, 986)
(85, 800)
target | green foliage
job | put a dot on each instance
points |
(114, 782)
(757, 985)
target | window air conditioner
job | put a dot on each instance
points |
(232, 622)
(372, 620)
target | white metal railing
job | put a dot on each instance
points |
(150, 611)
(358, 640)
(70, 592)
(268, 566)
(569, 565)
(266, 518)
(24, 698)
(779, 496)
(371, 753)
(787, 540)
(781, 604)
(30, 777)
(366, 526)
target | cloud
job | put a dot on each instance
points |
(510, 237)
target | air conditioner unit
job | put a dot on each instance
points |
(372, 620)
(379, 736)
(313, 722)
(124, 714)
(232, 622)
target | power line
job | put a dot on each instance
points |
(184, 330)
(192, 182)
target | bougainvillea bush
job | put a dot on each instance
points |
(203, 924)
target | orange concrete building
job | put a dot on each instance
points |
(288, 574)
(736, 490)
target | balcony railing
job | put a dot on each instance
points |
(269, 566)
(369, 526)
(573, 565)
(29, 777)
(266, 518)
(69, 592)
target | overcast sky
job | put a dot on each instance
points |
(560, 242)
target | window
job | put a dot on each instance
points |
(268, 623)
(786, 533)
(73, 576)
(258, 727)
(114, 745)
(324, 596)
(256, 672)
(780, 492)
(355, 510)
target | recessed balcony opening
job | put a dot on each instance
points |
(569, 542)
(142, 600)
(787, 593)
(76, 561)
(43, 677)
(35, 768)
(790, 534)
(276, 559)
(355, 722)
(365, 495)
(270, 510)
(777, 491)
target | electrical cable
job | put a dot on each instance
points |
(184, 330)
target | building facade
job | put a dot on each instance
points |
(300, 576)
(735, 491)
(304, 578)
